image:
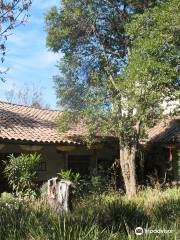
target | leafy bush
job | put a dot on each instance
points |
(8, 201)
(21, 171)
(99, 181)
(69, 175)
(96, 182)
(75, 178)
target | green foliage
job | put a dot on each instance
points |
(21, 171)
(69, 175)
(152, 71)
(105, 216)
(98, 180)
(91, 35)
(75, 178)
(67, 120)
(120, 63)
(63, 122)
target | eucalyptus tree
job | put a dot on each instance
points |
(119, 64)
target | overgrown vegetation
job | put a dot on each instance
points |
(97, 181)
(21, 173)
(98, 212)
(120, 63)
(103, 216)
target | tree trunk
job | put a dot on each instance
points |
(127, 162)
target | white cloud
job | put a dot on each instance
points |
(22, 39)
(28, 52)
(38, 61)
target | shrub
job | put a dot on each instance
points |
(75, 178)
(69, 175)
(21, 171)
(99, 181)
(96, 182)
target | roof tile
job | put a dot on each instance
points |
(167, 131)
(24, 123)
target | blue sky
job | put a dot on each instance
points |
(29, 61)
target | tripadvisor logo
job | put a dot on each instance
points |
(139, 231)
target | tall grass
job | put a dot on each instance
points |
(106, 216)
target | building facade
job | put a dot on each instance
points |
(25, 129)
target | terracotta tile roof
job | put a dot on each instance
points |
(165, 132)
(24, 123)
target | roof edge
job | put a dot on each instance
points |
(28, 106)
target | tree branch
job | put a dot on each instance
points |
(105, 57)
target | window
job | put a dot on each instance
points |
(79, 163)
